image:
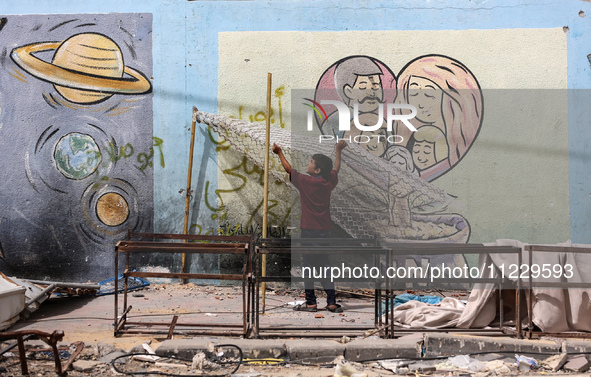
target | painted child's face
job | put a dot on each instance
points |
(377, 142)
(423, 154)
(426, 96)
(399, 161)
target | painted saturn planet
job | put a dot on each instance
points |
(86, 68)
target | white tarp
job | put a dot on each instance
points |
(12, 302)
(554, 309)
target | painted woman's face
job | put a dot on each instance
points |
(423, 154)
(426, 96)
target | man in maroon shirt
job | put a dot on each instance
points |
(315, 188)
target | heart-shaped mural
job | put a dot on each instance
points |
(445, 93)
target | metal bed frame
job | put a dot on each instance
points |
(192, 244)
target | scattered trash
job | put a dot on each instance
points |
(296, 303)
(344, 369)
(150, 354)
(21, 297)
(467, 363)
(525, 363)
(107, 287)
(211, 314)
(319, 315)
(148, 358)
(63, 354)
(51, 340)
(422, 368)
(395, 365)
(406, 297)
(220, 360)
(198, 360)
(345, 339)
(12, 301)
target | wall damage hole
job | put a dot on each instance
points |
(565, 29)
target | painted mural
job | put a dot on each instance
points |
(480, 92)
(76, 136)
(445, 93)
(449, 105)
(386, 181)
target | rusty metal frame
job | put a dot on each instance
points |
(529, 333)
(50, 339)
(386, 322)
(194, 244)
(284, 246)
(385, 290)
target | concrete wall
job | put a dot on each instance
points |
(523, 175)
(77, 140)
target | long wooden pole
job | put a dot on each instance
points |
(266, 184)
(188, 193)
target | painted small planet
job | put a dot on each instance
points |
(86, 68)
(76, 155)
(112, 209)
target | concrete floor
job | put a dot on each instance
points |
(90, 319)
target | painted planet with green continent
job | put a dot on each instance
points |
(77, 155)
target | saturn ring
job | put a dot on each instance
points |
(23, 57)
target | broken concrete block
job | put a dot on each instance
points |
(107, 359)
(577, 364)
(555, 362)
(101, 349)
(85, 365)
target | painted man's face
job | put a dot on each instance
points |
(367, 91)
(423, 154)
(426, 96)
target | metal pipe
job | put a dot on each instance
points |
(116, 295)
(65, 284)
(266, 182)
(41, 294)
(188, 193)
